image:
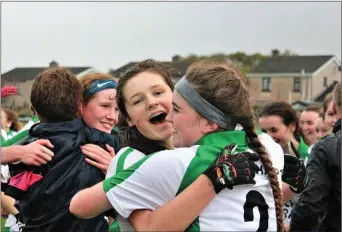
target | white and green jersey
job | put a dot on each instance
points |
(7, 135)
(3, 135)
(20, 135)
(124, 159)
(30, 123)
(159, 178)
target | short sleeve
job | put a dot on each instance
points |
(124, 159)
(149, 183)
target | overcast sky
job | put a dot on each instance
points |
(109, 35)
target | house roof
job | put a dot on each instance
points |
(23, 74)
(303, 104)
(321, 96)
(291, 64)
(178, 68)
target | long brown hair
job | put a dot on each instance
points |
(224, 88)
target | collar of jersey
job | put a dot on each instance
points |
(224, 138)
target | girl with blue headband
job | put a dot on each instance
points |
(99, 110)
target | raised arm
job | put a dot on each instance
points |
(187, 206)
(90, 202)
(183, 210)
(179, 213)
(193, 199)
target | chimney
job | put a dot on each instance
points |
(275, 52)
(176, 58)
(53, 64)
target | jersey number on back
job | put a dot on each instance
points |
(255, 199)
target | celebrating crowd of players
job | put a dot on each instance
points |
(143, 154)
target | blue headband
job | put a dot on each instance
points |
(202, 106)
(99, 85)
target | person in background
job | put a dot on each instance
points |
(319, 205)
(10, 124)
(279, 120)
(329, 116)
(22, 134)
(307, 126)
(322, 129)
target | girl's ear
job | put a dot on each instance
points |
(209, 126)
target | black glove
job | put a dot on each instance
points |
(294, 173)
(232, 169)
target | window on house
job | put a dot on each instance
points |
(296, 84)
(266, 84)
(325, 82)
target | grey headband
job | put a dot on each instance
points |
(202, 106)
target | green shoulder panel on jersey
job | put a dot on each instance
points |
(122, 159)
(117, 179)
(15, 139)
(303, 148)
(210, 147)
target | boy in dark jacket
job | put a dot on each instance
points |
(44, 193)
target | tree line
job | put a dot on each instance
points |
(245, 61)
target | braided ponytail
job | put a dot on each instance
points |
(224, 88)
(254, 142)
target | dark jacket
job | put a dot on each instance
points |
(45, 204)
(319, 205)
